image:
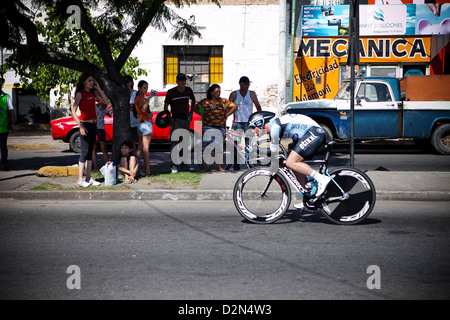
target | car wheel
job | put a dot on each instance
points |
(74, 142)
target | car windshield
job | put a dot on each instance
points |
(157, 103)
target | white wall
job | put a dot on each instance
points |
(249, 35)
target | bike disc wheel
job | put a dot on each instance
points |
(360, 202)
(261, 209)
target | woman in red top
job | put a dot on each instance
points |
(86, 94)
(145, 124)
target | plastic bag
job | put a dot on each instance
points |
(109, 171)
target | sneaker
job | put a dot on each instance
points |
(322, 183)
(299, 206)
(83, 184)
(94, 183)
(174, 169)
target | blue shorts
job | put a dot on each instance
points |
(145, 128)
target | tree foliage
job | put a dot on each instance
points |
(43, 77)
(95, 37)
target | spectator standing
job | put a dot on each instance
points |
(101, 111)
(217, 110)
(181, 115)
(86, 93)
(145, 124)
(244, 99)
(134, 116)
(6, 109)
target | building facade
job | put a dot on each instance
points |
(240, 38)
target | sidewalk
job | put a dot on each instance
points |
(214, 185)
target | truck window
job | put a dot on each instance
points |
(344, 92)
(374, 92)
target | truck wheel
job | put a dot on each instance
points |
(440, 140)
(74, 142)
(328, 132)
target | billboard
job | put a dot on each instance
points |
(316, 73)
(383, 20)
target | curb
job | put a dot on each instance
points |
(191, 195)
(52, 171)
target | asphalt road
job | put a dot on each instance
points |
(204, 250)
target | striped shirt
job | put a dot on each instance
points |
(179, 101)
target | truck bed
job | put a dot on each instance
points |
(425, 88)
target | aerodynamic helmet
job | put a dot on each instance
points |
(260, 118)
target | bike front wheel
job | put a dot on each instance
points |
(360, 200)
(261, 197)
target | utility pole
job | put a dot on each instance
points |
(352, 60)
(282, 54)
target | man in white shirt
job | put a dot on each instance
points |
(244, 99)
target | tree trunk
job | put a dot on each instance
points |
(119, 97)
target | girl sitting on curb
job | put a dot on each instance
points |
(128, 166)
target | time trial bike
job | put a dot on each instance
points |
(263, 195)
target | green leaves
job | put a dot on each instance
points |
(53, 38)
(74, 43)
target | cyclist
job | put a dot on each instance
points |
(307, 135)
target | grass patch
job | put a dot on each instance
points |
(192, 179)
(164, 179)
(48, 186)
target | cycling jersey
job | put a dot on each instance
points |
(292, 126)
(306, 133)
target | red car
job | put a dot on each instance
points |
(67, 129)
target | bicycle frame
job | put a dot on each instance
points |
(283, 170)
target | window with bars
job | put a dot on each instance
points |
(203, 66)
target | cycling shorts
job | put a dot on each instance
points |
(311, 141)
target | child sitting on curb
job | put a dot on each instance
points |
(128, 166)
